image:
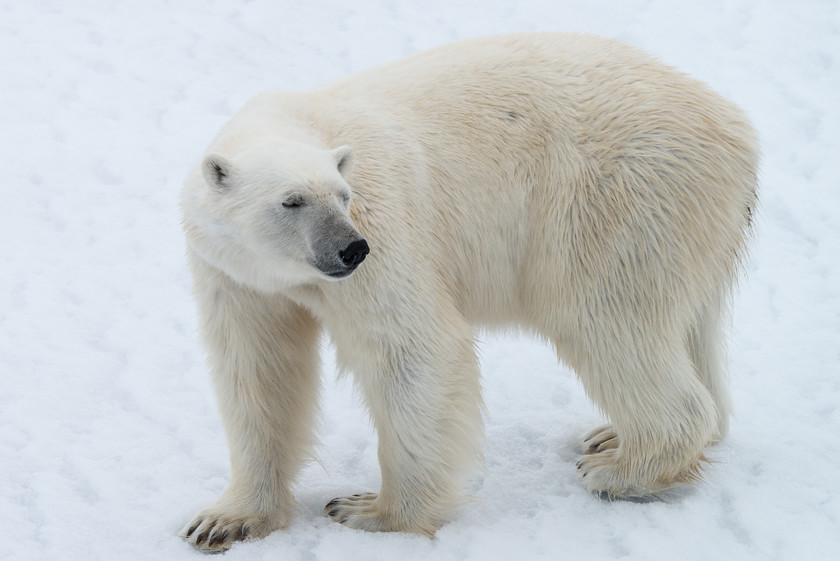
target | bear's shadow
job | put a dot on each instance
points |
(674, 495)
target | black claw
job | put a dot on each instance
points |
(218, 538)
(192, 529)
(357, 496)
(332, 503)
(201, 537)
(584, 475)
(343, 519)
(332, 513)
(244, 531)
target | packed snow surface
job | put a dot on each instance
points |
(109, 436)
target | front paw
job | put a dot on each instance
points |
(215, 530)
(357, 511)
(365, 512)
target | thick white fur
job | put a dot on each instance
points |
(566, 185)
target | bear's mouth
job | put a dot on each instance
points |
(339, 273)
(333, 271)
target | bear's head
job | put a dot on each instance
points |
(274, 216)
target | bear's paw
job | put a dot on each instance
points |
(614, 471)
(215, 531)
(357, 511)
(365, 512)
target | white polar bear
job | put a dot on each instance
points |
(567, 185)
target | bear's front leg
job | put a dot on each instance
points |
(424, 396)
(263, 355)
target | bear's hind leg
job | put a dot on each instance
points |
(706, 348)
(662, 417)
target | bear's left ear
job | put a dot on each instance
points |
(343, 157)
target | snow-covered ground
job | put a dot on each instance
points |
(109, 435)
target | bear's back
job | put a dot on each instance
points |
(524, 135)
(524, 153)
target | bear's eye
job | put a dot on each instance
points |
(292, 202)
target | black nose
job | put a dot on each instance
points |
(354, 253)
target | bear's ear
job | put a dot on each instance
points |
(216, 171)
(343, 157)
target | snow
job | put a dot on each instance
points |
(109, 435)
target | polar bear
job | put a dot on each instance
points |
(565, 185)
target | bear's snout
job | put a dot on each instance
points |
(354, 253)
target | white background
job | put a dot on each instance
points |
(109, 435)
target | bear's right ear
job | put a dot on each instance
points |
(216, 171)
